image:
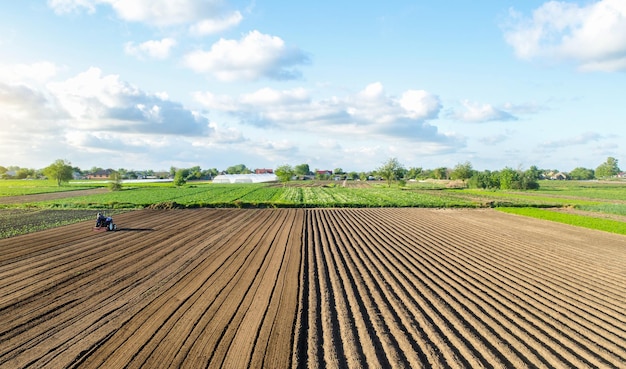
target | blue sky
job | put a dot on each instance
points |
(151, 84)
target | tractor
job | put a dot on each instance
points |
(104, 223)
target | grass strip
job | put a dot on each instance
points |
(606, 225)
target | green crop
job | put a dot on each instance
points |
(606, 225)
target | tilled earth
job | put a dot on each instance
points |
(279, 288)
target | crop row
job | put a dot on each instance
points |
(264, 195)
(14, 222)
(607, 225)
(257, 195)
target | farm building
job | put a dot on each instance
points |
(100, 174)
(245, 178)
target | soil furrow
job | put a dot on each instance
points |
(314, 288)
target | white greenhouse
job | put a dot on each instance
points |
(245, 178)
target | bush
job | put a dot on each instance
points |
(179, 178)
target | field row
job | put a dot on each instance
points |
(407, 288)
(263, 195)
(314, 288)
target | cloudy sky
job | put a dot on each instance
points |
(151, 84)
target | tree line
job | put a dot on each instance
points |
(391, 170)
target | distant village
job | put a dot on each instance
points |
(240, 172)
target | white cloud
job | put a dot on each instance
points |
(268, 96)
(329, 144)
(155, 49)
(161, 13)
(582, 139)
(23, 107)
(494, 140)
(213, 26)
(255, 56)
(164, 12)
(212, 101)
(106, 104)
(38, 72)
(72, 6)
(476, 113)
(365, 115)
(93, 114)
(420, 104)
(593, 35)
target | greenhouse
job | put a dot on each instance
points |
(245, 178)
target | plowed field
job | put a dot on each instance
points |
(318, 288)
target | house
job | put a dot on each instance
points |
(559, 176)
(264, 171)
(324, 172)
(100, 174)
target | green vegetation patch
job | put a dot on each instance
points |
(585, 189)
(617, 209)
(15, 222)
(606, 225)
(316, 194)
(19, 187)
(256, 195)
(529, 198)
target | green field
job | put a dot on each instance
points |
(593, 198)
(18, 187)
(590, 196)
(606, 225)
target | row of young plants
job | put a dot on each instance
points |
(254, 195)
(250, 195)
(530, 198)
(14, 222)
(606, 190)
(607, 225)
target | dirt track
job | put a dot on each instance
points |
(314, 288)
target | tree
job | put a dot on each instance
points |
(440, 173)
(414, 173)
(95, 170)
(480, 180)
(60, 170)
(284, 173)
(180, 177)
(210, 173)
(462, 171)
(529, 180)
(508, 176)
(607, 169)
(121, 172)
(238, 169)
(115, 181)
(390, 170)
(194, 173)
(302, 169)
(582, 174)
(23, 173)
(533, 173)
